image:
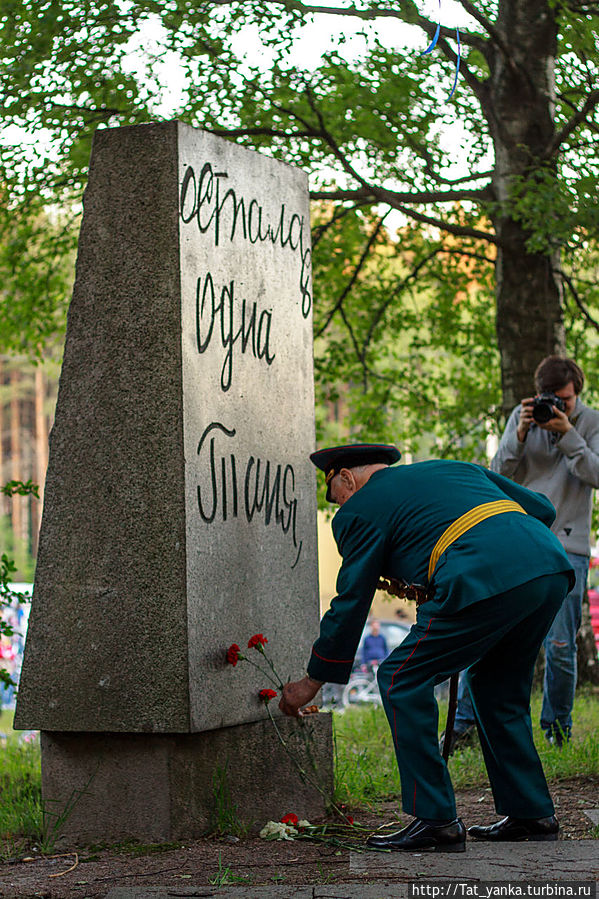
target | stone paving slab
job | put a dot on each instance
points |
(383, 890)
(593, 814)
(562, 860)
(278, 891)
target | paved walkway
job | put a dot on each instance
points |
(482, 872)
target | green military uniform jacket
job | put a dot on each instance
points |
(389, 528)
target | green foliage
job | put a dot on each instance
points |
(10, 567)
(225, 875)
(405, 338)
(365, 766)
(21, 816)
(36, 259)
(408, 353)
(22, 488)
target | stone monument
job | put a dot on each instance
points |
(179, 512)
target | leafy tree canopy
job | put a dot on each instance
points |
(369, 121)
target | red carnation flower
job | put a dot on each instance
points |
(290, 818)
(350, 820)
(267, 695)
(257, 642)
(233, 654)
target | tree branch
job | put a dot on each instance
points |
(257, 132)
(591, 103)
(394, 294)
(491, 31)
(355, 343)
(478, 88)
(410, 17)
(386, 196)
(430, 170)
(418, 196)
(404, 283)
(354, 277)
(585, 312)
(458, 230)
(339, 213)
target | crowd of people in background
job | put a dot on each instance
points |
(15, 615)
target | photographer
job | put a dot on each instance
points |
(551, 445)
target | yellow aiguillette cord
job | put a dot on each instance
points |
(467, 521)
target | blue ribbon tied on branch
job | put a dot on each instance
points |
(433, 44)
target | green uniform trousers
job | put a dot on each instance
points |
(498, 639)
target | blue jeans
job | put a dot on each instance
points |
(559, 683)
(464, 715)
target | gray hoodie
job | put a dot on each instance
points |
(565, 469)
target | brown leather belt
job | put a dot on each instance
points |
(417, 593)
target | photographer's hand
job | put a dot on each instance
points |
(526, 418)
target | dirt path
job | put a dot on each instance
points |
(253, 861)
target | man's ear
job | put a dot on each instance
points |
(347, 478)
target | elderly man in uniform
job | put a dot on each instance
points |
(494, 577)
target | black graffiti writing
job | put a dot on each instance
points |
(264, 488)
(214, 210)
(252, 331)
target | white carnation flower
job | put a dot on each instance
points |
(276, 830)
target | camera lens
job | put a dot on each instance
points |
(543, 412)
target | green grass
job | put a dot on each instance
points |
(366, 771)
(365, 766)
(21, 817)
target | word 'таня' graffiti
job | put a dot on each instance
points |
(255, 486)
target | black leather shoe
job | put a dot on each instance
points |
(512, 830)
(418, 835)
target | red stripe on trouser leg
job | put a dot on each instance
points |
(395, 734)
(389, 690)
(410, 656)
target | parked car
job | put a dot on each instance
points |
(394, 633)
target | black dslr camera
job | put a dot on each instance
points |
(542, 407)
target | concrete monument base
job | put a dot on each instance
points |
(160, 787)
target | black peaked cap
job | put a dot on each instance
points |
(334, 458)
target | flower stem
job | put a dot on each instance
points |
(276, 683)
(304, 774)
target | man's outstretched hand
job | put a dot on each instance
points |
(298, 693)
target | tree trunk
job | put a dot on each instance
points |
(521, 110)
(41, 454)
(15, 453)
(529, 314)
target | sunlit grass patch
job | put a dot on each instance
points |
(21, 817)
(365, 767)
(365, 759)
